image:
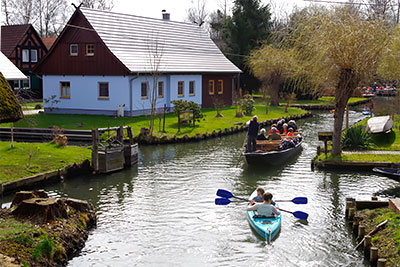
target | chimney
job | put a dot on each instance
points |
(165, 15)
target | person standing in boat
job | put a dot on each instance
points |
(252, 135)
(261, 136)
(266, 208)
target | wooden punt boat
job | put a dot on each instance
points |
(267, 228)
(393, 173)
(268, 153)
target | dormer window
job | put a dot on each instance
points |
(90, 49)
(73, 50)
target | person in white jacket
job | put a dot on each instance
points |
(265, 208)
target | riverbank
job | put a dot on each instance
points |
(28, 159)
(208, 123)
(31, 237)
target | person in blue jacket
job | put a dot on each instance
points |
(252, 135)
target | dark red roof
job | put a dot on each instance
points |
(48, 41)
(10, 37)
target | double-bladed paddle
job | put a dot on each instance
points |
(298, 214)
(226, 194)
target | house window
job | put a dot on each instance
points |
(65, 89)
(14, 84)
(211, 87)
(90, 49)
(220, 87)
(191, 88)
(160, 89)
(180, 88)
(34, 57)
(144, 90)
(73, 50)
(26, 84)
(25, 55)
(103, 91)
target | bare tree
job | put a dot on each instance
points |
(155, 53)
(5, 8)
(50, 16)
(197, 13)
(99, 4)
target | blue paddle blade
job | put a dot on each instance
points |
(224, 193)
(222, 201)
(299, 200)
(300, 215)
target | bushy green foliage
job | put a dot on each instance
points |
(182, 105)
(355, 138)
(22, 239)
(247, 105)
(45, 248)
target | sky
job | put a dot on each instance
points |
(178, 8)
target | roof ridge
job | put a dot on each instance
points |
(137, 16)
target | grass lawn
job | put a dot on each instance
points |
(325, 100)
(383, 141)
(45, 157)
(30, 105)
(207, 124)
(362, 157)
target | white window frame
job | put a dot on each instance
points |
(70, 50)
(25, 55)
(22, 84)
(35, 58)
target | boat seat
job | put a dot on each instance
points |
(263, 217)
(265, 145)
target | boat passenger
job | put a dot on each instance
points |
(252, 135)
(259, 197)
(261, 136)
(279, 126)
(292, 124)
(285, 131)
(274, 135)
(266, 208)
(273, 126)
(290, 132)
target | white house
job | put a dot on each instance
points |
(104, 59)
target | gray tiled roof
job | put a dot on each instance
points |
(185, 47)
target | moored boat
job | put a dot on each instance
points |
(393, 173)
(267, 228)
(271, 153)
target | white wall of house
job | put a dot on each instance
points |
(84, 93)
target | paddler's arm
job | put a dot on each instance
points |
(254, 207)
(275, 211)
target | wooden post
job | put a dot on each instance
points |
(355, 226)
(352, 211)
(193, 120)
(349, 204)
(179, 121)
(326, 148)
(361, 232)
(95, 149)
(381, 262)
(165, 110)
(373, 256)
(347, 116)
(367, 243)
(12, 135)
(130, 134)
(318, 150)
(120, 134)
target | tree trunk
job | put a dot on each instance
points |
(344, 89)
(274, 91)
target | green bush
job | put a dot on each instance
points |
(247, 105)
(182, 105)
(355, 138)
(45, 248)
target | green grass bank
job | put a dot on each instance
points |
(27, 159)
(208, 123)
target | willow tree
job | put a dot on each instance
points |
(272, 66)
(339, 49)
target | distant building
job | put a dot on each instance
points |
(103, 60)
(24, 47)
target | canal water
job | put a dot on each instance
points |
(162, 212)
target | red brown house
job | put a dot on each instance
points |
(104, 60)
(24, 47)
